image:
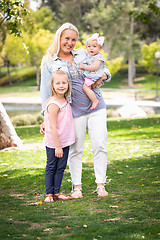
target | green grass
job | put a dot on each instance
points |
(143, 81)
(129, 212)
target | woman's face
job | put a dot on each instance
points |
(67, 41)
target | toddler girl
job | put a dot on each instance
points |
(93, 66)
(59, 134)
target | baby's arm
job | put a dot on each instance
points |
(53, 110)
(92, 67)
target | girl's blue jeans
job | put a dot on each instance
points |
(54, 170)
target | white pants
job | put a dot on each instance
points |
(96, 123)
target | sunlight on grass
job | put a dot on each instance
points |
(131, 211)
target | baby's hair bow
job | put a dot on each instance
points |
(95, 36)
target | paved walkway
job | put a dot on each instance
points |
(113, 98)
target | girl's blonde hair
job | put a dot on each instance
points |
(53, 50)
(56, 73)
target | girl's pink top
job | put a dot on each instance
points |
(65, 125)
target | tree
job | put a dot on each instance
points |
(71, 11)
(45, 19)
(13, 53)
(12, 14)
(36, 46)
(8, 135)
(148, 56)
(117, 23)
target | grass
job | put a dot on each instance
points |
(25, 80)
(142, 81)
(129, 212)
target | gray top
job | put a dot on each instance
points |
(94, 75)
(80, 103)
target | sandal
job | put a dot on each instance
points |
(77, 193)
(61, 196)
(101, 192)
(49, 198)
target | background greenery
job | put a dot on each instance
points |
(131, 211)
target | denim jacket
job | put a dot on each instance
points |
(55, 63)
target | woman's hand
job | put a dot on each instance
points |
(99, 81)
(42, 128)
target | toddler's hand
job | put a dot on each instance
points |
(59, 152)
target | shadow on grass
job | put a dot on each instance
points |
(129, 212)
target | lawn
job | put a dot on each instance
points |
(131, 211)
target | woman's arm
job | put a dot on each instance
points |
(45, 91)
(53, 110)
(92, 67)
(107, 75)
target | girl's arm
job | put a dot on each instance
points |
(53, 110)
(92, 67)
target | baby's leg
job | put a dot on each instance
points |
(88, 91)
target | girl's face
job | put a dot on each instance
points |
(92, 47)
(60, 85)
(67, 41)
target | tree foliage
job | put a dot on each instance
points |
(12, 13)
(11, 43)
(148, 56)
(45, 19)
(36, 46)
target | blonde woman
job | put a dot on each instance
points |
(62, 55)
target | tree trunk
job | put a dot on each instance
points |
(9, 76)
(131, 71)
(8, 135)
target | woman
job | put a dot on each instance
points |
(62, 55)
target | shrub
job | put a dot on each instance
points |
(27, 119)
(148, 56)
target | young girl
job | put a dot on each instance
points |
(94, 66)
(59, 134)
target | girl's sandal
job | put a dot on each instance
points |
(49, 198)
(61, 196)
(101, 192)
(77, 193)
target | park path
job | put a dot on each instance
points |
(112, 97)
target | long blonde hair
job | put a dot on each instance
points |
(53, 50)
(56, 73)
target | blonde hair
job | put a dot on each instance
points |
(53, 50)
(56, 73)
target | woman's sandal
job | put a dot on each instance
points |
(61, 196)
(101, 192)
(49, 198)
(77, 193)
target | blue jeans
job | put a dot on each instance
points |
(54, 170)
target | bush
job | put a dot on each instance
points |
(148, 56)
(18, 74)
(27, 119)
(139, 69)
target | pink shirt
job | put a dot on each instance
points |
(65, 125)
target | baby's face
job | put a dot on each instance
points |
(92, 47)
